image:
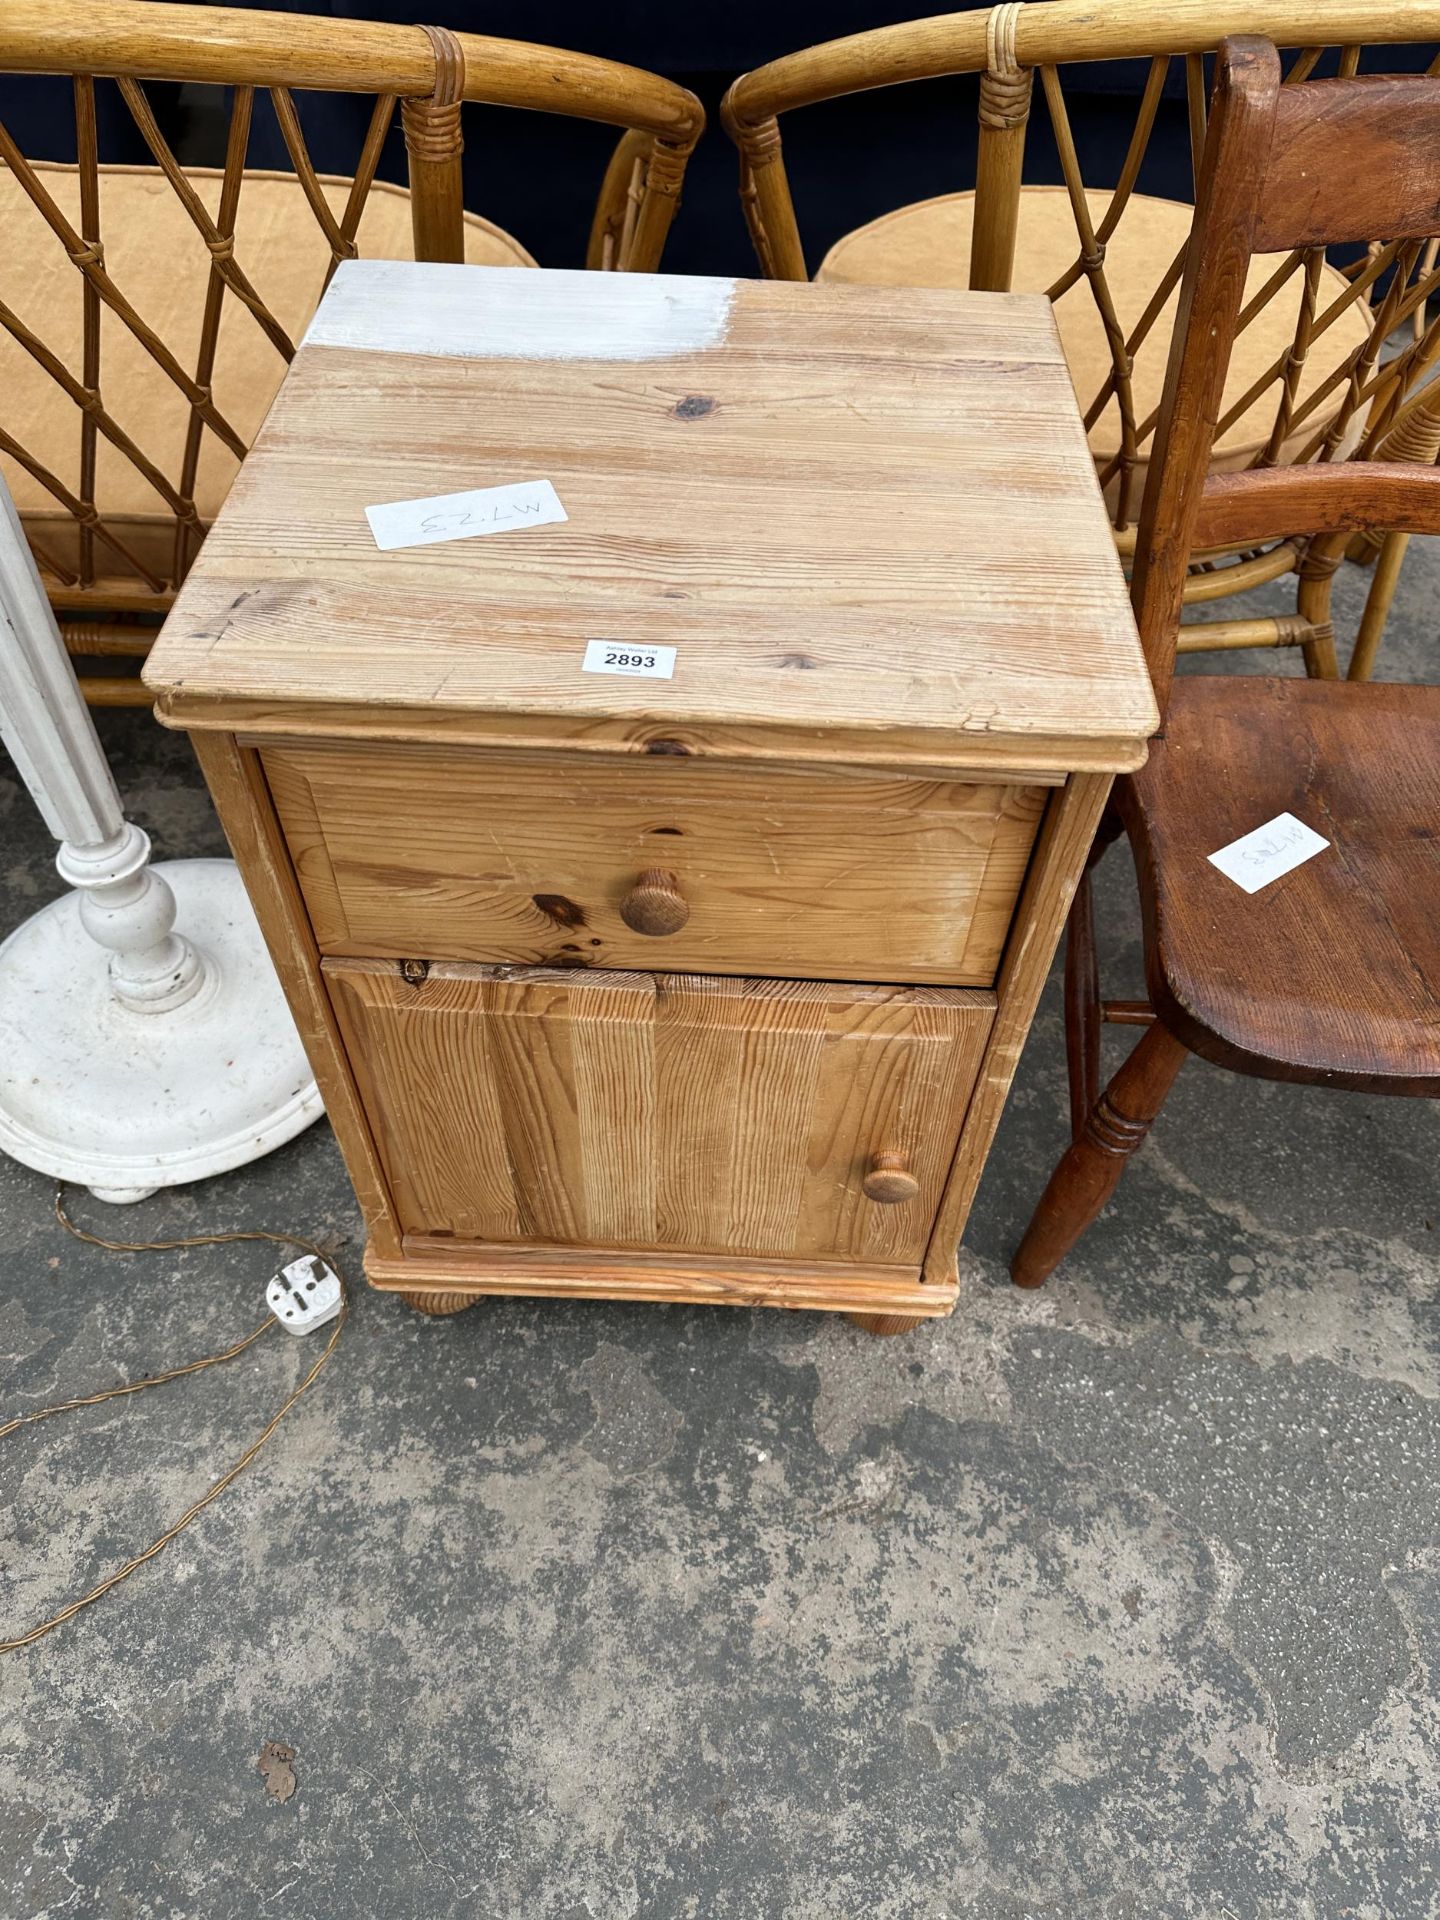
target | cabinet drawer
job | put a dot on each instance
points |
(407, 851)
(675, 1112)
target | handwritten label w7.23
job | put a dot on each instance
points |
(1259, 857)
(461, 516)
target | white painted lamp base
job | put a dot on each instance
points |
(126, 1102)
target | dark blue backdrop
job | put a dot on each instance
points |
(848, 160)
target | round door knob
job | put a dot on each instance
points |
(889, 1180)
(655, 904)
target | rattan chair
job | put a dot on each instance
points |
(147, 313)
(1326, 355)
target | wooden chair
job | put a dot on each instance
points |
(147, 313)
(1330, 974)
(1311, 375)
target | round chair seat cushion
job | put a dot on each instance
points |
(927, 244)
(159, 261)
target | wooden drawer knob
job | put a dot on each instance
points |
(889, 1180)
(655, 904)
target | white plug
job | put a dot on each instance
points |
(304, 1295)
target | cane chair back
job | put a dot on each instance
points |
(1327, 351)
(147, 313)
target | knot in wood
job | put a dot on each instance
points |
(222, 246)
(92, 254)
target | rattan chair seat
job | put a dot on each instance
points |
(157, 255)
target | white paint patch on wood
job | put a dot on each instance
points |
(516, 313)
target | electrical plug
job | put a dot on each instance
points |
(304, 1295)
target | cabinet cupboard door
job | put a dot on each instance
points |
(674, 1112)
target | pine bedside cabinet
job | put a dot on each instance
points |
(663, 891)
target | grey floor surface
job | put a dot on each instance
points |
(1122, 1599)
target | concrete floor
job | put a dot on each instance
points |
(1118, 1600)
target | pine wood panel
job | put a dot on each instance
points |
(848, 513)
(676, 1112)
(422, 852)
(1070, 825)
(237, 785)
(444, 1268)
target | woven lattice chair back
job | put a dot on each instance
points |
(1330, 350)
(147, 312)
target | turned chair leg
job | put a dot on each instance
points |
(438, 1303)
(1091, 1168)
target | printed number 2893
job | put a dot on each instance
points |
(618, 656)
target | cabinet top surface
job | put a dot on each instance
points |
(867, 522)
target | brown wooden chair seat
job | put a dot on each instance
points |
(928, 244)
(156, 253)
(1332, 973)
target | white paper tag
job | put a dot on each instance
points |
(1257, 858)
(620, 656)
(460, 516)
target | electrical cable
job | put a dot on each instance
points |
(174, 1373)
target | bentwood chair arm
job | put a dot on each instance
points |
(139, 40)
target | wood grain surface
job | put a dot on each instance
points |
(849, 516)
(237, 786)
(434, 853)
(1386, 128)
(470, 1270)
(667, 1112)
(1065, 837)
